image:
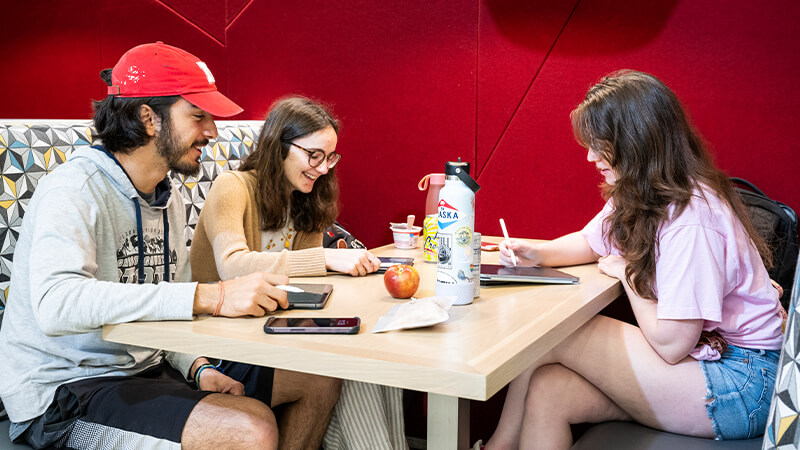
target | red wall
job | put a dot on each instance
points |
(417, 83)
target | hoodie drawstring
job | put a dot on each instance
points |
(166, 248)
(140, 243)
(139, 230)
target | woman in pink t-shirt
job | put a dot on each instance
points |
(703, 358)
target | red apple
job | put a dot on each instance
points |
(401, 281)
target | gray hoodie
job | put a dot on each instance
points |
(76, 265)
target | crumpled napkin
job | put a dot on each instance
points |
(415, 313)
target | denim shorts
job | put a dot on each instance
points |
(739, 389)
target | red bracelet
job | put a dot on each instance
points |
(221, 298)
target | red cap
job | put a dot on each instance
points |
(161, 70)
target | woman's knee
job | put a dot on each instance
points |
(545, 384)
(548, 391)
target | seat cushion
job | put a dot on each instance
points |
(629, 435)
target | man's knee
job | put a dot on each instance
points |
(242, 422)
(261, 429)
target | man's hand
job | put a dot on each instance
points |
(250, 295)
(216, 381)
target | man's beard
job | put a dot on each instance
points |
(173, 151)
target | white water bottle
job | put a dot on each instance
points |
(456, 211)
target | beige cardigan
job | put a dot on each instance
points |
(227, 239)
(226, 243)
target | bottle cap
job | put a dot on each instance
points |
(461, 170)
(451, 166)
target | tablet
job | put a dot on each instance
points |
(497, 274)
(389, 261)
(314, 296)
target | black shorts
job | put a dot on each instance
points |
(147, 410)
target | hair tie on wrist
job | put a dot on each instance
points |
(221, 298)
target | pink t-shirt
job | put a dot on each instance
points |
(707, 268)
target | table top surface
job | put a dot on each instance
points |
(477, 351)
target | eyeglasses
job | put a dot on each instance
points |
(315, 157)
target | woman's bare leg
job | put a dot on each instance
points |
(615, 357)
(557, 398)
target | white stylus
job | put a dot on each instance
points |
(505, 235)
(289, 288)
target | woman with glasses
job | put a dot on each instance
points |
(269, 215)
(703, 358)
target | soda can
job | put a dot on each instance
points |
(429, 233)
(476, 264)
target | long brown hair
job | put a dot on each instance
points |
(292, 118)
(637, 124)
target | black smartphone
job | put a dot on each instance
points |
(312, 325)
(389, 261)
(313, 296)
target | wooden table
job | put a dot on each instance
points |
(474, 354)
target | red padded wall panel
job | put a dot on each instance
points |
(48, 48)
(401, 77)
(418, 83)
(514, 39)
(732, 68)
(123, 28)
(207, 16)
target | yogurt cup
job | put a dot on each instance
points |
(405, 237)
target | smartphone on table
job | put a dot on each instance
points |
(308, 296)
(389, 261)
(312, 325)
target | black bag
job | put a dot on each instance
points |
(777, 225)
(336, 236)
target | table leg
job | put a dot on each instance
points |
(448, 422)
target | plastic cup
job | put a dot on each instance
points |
(405, 237)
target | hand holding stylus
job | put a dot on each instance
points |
(505, 235)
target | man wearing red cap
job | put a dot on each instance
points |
(102, 242)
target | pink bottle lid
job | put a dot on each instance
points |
(433, 183)
(432, 178)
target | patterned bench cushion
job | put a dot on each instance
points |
(31, 149)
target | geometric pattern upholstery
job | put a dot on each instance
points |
(782, 426)
(31, 149)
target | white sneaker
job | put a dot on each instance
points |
(478, 445)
